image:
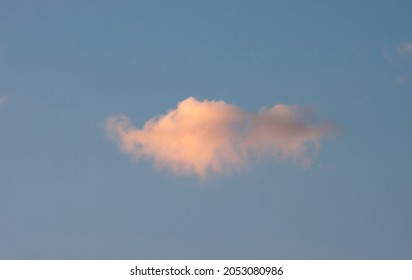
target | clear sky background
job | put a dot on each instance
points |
(66, 192)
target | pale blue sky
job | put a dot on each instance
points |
(68, 193)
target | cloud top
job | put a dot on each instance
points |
(199, 137)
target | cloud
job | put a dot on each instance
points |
(404, 49)
(200, 137)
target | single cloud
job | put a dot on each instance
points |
(200, 137)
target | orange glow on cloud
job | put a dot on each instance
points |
(199, 137)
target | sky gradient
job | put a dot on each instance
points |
(68, 192)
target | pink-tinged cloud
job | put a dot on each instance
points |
(200, 137)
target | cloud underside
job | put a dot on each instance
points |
(200, 137)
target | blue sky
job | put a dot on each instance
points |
(67, 192)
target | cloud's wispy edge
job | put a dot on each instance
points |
(404, 49)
